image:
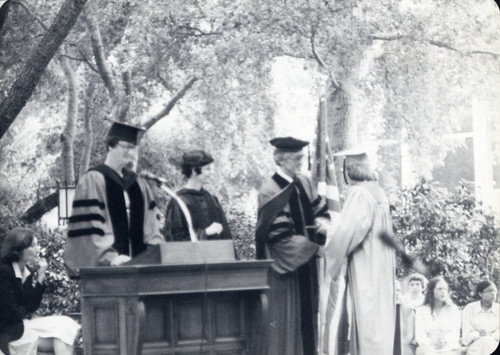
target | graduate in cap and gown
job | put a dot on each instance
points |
(114, 215)
(291, 226)
(207, 215)
(370, 261)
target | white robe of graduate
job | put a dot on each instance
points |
(370, 269)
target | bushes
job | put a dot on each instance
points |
(452, 233)
(62, 294)
(242, 227)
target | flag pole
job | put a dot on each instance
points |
(321, 174)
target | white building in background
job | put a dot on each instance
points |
(472, 160)
(487, 187)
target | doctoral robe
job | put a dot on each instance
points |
(103, 225)
(370, 269)
(204, 208)
(285, 211)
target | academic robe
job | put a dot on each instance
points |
(204, 208)
(285, 209)
(370, 269)
(102, 225)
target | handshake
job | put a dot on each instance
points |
(319, 231)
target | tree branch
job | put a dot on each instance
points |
(322, 63)
(83, 59)
(170, 105)
(28, 10)
(35, 212)
(435, 43)
(442, 45)
(493, 54)
(97, 48)
(124, 102)
(388, 37)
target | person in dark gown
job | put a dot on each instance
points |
(291, 226)
(208, 217)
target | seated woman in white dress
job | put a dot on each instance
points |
(437, 322)
(23, 279)
(481, 321)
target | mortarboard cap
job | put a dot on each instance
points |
(196, 158)
(354, 156)
(125, 132)
(288, 144)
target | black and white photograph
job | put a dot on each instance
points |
(251, 177)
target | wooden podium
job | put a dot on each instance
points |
(157, 305)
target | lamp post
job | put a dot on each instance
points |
(66, 195)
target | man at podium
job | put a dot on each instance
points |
(114, 215)
(292, 222)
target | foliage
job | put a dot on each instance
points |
(452, 233)
(407, 79)
(62, 294)
(242, 223)
(8, 218)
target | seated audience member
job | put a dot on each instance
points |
(416, 284)
(209, 220)
(437, 322)
(405, 326)
(22, 284)
(481, 321)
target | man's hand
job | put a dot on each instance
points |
(214, 229)
(120, 259)
(322, 225)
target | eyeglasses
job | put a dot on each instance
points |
(128, 146)
(296, 159)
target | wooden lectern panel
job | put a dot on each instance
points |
(173, 309)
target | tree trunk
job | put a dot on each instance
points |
(68, 135)
(35, 212)
(89, 141)
(342, 127)
(341, 122)
(29, 75)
